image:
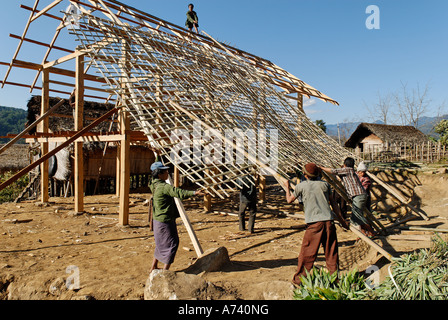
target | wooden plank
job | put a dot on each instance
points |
(58, 71)
(371, 243)
(423, 229)
(79, 124)
(194, 239)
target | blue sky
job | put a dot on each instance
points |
(323, 42)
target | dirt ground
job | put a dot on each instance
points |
(40, 244)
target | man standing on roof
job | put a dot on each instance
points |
(192, 19)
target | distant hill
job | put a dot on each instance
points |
(12, 120)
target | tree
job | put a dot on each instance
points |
(442, 129)
(382, 110)
(412, 104)
(321, 124)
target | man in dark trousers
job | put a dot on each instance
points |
(319, 218)
(192, 19)
(248, 200)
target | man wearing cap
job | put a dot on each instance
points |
(366, 182)
(165, 213)
(319, 218)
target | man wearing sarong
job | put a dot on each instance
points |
(165, 213)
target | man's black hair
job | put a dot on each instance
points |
(155, 173)
(349, 162)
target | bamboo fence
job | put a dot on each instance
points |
(427, 152)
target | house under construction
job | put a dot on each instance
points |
(179, 90)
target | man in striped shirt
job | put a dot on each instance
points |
(355, 192)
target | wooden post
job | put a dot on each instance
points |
(125, 168)
(207, 199)
(79, 124)
(125, 146)
(176, 177)
(43, 127)
(262, 188)
(300, 102)
(117, 173)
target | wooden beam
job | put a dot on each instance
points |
(79, 124)
(58, 71)
(43, 127)
(39, 43)
(46, 9)
(44, 59)
(46, 14)
(19, 46)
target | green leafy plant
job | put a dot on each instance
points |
(319, 284)
(421, 275)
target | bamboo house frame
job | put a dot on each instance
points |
(165, 79)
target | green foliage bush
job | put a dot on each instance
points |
(319, 284)
(12, 120)
(421, 275)
(11, 192)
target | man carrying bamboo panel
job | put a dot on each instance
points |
(164, 215)
(192, 19)
(319, 218)
(355, 192)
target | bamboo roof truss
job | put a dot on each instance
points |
(153, 71)
(156, 69)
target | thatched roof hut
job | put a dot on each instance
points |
(62, 119)
(14, 158)
(94, 156)
(368, 134)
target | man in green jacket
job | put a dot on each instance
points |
(192, 19)
(165, 213)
